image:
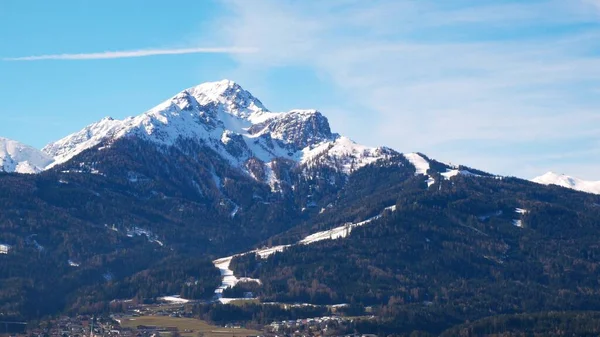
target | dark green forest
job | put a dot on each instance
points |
(445, 256)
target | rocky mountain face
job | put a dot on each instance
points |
(229, 120)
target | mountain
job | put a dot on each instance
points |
(206, 173)
(21, 158)
(233, 123)
(563, 180)
(210, 188)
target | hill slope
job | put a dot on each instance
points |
(461, 250)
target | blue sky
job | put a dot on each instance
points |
(511, 87)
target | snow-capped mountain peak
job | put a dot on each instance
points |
(21, 158)
(188, 114)
(563, 180)
(236, 100)
(234, 123)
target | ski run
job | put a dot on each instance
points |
(230, 280)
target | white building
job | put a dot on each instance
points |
(4, 249)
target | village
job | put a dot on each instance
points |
(78, 326)
(177, 320)
(322, 326)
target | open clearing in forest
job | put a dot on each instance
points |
(194, 326)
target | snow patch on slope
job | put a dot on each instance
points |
(271, 178)
(521, 211)
(175, 299)
(341, 231)
(228, 279)
(236, 208)
(519, 222)
(421, 166)
(342, 153)
(563, 180)
(454, 172)
(266, 252)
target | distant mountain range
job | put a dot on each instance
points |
(237, 126)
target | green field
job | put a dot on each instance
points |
(244, 301)
(194, 325)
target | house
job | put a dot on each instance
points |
(4, 248)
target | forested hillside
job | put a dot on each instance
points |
(449, 254)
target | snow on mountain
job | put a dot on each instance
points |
(341, 231)
(228, 279)
(174, 299)
(235, 124)
(21, 158)
(421, 166)
(454, 172)
(563, 180)
(300, 128)
(344, 153)
(76, 143)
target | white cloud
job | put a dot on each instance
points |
(426, 74)
(133, 53)
(595, 3)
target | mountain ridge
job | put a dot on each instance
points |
(20, 158)
(239, 127)
(563, 180)
(232, 122)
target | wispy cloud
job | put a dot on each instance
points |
(595, 3)
(134, 53)
(426, 75)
